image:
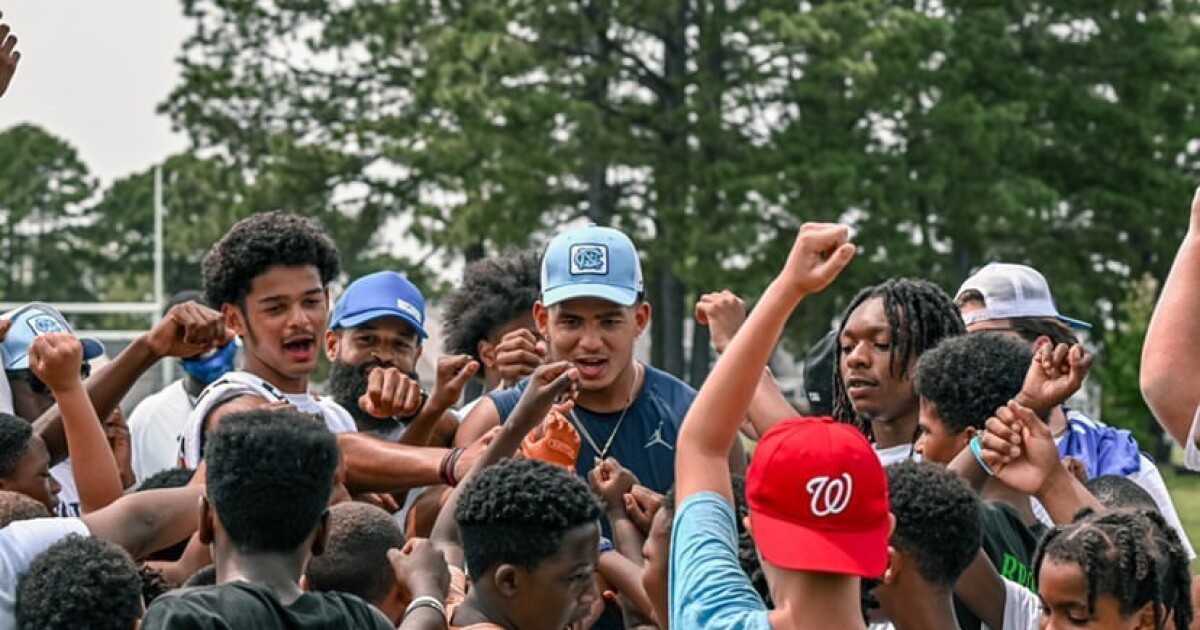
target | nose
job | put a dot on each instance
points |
(55, 487)
(297, 318)
(919, 447)
(590, 594)
(590, 339)
(859, 356)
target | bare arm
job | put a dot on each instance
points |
(981, 588)
(56, 358)
(1170, 372)
(187, 330)
(144, 522)
(711, 426)
(483, 418)
(453, 374)
(769, 406)
(626, 576)
(374, 465)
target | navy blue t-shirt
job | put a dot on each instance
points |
(645, 443)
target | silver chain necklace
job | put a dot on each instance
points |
(601, 453)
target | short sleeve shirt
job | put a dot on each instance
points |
(244, 605)
(708, 588)
(644, 442)
(20, 543)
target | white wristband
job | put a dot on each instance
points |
(426, 601)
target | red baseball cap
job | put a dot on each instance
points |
(818, 499)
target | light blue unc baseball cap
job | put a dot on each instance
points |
(591, 262)
(31, 321)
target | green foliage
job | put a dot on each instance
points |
(1123, 405)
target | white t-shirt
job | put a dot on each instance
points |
(22, 542)
(5, 395)
(68, 497)
(238, 383)
(894, 454)
(156, 430)
(1191, 453)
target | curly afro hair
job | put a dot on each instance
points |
(355, 559)
(493, 291)
(928, 501)
(967, 378)
(80, 583)
(920, 315)
(15, 506)
(270, 476)
(1120, 493)
(259, 242)
(15, 435)
(518, 511)
(168, 478)
(1135, 557)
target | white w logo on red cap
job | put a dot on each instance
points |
(830, 496)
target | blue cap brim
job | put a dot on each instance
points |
(609, 293)
(354, 321)
(1077, 324)
(92, 347)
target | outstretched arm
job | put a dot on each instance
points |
(820, 253)
(547, 384)
(187, 330)
(56, 359)
(144, 522)
(1170, 373)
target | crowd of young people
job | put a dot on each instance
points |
(933, 477)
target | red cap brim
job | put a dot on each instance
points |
(790, 546)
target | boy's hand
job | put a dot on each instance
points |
(518, 354)
(453, 374)
(187, 330)
(390, 394)
(56, 359)
(420, 569)
(723, 313)
(821, 252)
(611, 482)
(1054, 375)
(9, 57)
(641, 504)
(550, 384)
(1020, 449)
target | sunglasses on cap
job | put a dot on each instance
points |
(36, 383)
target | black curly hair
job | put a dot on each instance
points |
(928, 501)
(920, 315)
(154, 583)
(15, 435)
(270, 475)
(1132, 556)
(493, 292)
(968, 377)
(80, 582)
(1120, 493)
(15, 506)
(259, 242)
(355, 559)
(517, 512)
(747, 551)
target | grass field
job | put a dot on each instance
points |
(1185, 490)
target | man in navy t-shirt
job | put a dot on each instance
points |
(591, 313)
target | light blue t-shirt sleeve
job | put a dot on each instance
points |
(708, 589)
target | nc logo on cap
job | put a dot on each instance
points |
(42, 324)
(589, 259)
(830, 496)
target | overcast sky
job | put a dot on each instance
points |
(92, 72)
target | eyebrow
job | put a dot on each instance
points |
(280, 298)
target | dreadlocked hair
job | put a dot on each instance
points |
(1132, 556)
(920, 315)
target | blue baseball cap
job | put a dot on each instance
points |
(380, 294)
(591, 262)
(29, 322)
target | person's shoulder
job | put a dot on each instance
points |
(165, 396)
(668, 388)
(505, 400)
(195, 607)
(351, 610)
(336, 417)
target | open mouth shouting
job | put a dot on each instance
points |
(300, 348)
(591, 368)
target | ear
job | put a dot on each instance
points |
(333, 343)
(205, 530)
(895, 565)
(507, 580)
(641, 316)
(322, 534)
(235, 319)
(487, 354)
(1145, 616)
(304, 586)
(964, 438)
(541, 318)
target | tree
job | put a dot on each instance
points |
(45, 189)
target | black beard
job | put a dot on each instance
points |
(348, 383)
